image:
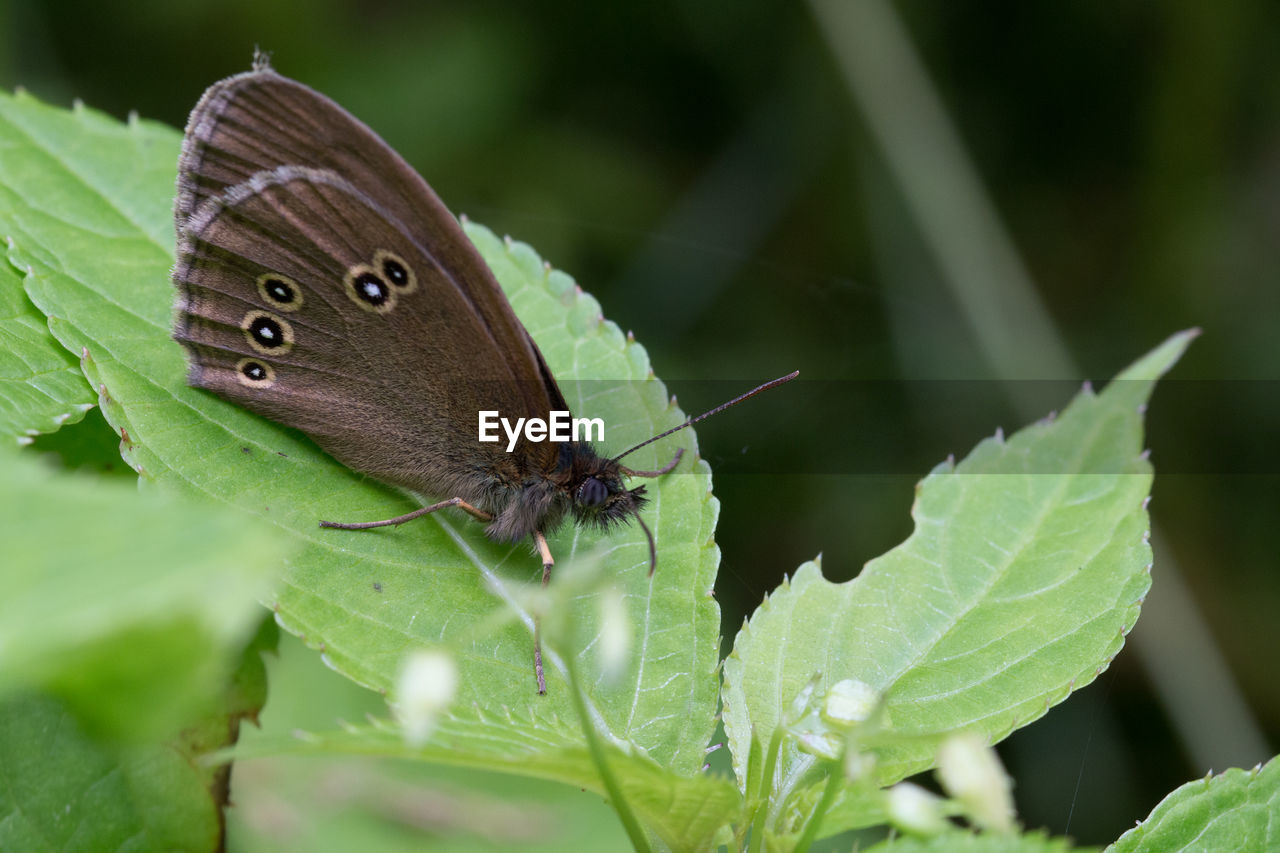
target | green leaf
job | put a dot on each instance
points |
(41, 386)
(1237, 810)
(1027, 566)
(60, 790)
(87, 204)
(128, 606)
(686, 812)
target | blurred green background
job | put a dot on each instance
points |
(944, 214)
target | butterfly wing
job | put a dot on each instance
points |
(275, 179)
(257, 121)
(304, 300)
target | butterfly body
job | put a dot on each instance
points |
(580, 485)
(323, 285)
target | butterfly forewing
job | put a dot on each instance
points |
(258, 121)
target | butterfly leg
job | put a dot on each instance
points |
(547, 562)
(410, 516)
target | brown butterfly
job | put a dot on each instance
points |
(322, 284)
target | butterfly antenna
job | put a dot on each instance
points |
(717, 410)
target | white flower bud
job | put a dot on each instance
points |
(970, 771)
(615, 634)
(427, 685)
(913, 809)
(849, 702)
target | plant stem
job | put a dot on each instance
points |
(820, 811)
(762, 795)
(635, 832)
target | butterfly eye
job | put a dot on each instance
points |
(266, 333)
(280, 291)
(369, 290)
(592, 492)
(254, 374)
(395, 270)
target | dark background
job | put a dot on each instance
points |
(706, 172)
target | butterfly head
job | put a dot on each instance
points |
(599, 496)
(601, 499)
